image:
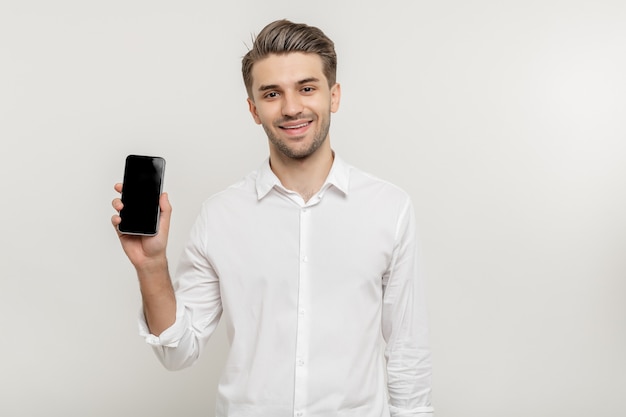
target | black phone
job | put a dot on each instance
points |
(141, 190)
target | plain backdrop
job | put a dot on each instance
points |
(504, 120)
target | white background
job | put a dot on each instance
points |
(504, 120)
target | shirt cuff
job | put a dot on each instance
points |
(424, 411)
(171, 336)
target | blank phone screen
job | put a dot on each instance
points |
(143, 179)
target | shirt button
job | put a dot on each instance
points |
(299, 413)
(300, 362)
(305, 258)
(301, 312)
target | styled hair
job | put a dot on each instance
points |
(282, 37)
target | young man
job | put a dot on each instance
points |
(308, 260)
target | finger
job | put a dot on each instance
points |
(117, 204)
(115, 221)
(118, 187)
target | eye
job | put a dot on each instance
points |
(271, 94)
(308, 90)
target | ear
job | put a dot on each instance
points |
(335, 97)
(253, 111)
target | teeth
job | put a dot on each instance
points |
(296, 127)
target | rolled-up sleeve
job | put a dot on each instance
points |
(405, 325)
(171, 336)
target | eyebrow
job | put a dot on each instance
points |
(301, 82)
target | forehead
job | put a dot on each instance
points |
(286, 69)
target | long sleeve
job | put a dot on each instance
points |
(405, 327)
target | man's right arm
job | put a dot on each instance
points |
(148, 256)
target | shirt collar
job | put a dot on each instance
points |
(339, 177)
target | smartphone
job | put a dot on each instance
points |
(141, 190)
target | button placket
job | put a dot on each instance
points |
(303, 327)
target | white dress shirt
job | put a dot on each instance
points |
(306, 289)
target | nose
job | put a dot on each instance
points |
(292, 104)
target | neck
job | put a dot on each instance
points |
(304, 176)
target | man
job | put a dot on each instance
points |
(309, 259)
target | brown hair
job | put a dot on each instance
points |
(282, 37)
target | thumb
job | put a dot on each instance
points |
(166, 213)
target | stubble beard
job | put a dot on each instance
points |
(318, 139)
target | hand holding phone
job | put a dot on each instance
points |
(143, 249)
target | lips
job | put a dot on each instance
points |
(296, 128)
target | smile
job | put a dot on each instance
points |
(298, 126)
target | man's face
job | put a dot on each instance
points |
(291, 99)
